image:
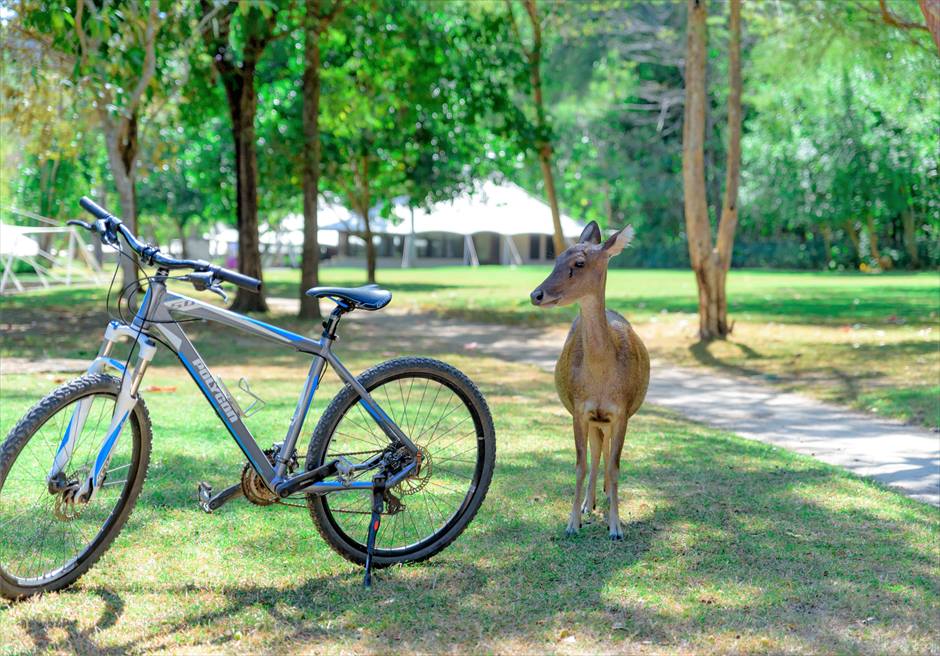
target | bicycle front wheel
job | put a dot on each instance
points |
(446, 416)
(45, 543)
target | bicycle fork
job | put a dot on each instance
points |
(127, 399)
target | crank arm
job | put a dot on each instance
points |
(209, 502)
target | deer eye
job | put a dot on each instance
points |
(579, 264)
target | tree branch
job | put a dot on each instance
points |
(150, 61)
(896, 21)
(326, 19)
(515, 30)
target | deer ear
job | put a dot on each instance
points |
(618, 241)
(591, 234)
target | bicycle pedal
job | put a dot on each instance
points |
(209, 502)
(205, 495)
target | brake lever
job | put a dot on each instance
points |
(217, 289)
(203, 281)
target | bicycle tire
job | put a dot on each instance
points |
(353, 548)
(28, 427)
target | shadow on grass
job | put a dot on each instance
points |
(79, 640)
(847, 386)
(730, 538)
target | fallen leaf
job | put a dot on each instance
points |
(156, 389)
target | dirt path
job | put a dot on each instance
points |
(902, 456)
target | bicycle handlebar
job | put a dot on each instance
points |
(109, 226)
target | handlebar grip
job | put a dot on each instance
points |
(236, 278)
(94, 208)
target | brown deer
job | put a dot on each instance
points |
(603, 370)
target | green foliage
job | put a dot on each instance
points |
(419, 99)
(849, 149)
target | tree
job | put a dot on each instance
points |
(543, 142)
(49, 142)
(315, 22)
(710, 263)
(113, 56)
(405, 107)
(256, 28)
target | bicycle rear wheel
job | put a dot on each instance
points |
(446, 416)
(46, 544)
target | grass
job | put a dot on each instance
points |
(731, 545)
(872, 342)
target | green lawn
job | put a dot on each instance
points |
(731, 545)
(869, 341)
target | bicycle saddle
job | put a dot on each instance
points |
(367, 297)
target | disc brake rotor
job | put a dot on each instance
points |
(66, 507)
(419, 479)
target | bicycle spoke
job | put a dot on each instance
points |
(37, 543)
(436, 419)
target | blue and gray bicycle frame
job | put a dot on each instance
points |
(154, 319)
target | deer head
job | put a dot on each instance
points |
(581, 270)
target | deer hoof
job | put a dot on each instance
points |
(587, 510)
(572, 529)
(616, 533)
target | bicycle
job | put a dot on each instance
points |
(64, 497)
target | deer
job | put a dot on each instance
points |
(603, 371)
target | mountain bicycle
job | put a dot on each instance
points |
(408, 444)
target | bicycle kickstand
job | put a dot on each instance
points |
(378, 503)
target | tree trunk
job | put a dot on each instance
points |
(181, 232)
(728, 223)
(543, 145)
(370, 250)
(697, 225)
(242, 102)
(121, 143)
(910, 236)
(851, 231)
(545, 162)
(362, 203)
(884, 262)
(310, 259)
(710, 264)
(931, 11)
(826, 232)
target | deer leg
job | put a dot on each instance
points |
(596, 439)
(612, 475)
(580, 445)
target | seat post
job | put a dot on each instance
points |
(329, 326)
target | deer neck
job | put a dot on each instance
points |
(595, 331)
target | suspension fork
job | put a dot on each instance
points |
(127, 399)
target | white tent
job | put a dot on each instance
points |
(504, 211)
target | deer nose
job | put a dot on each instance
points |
(537, 296)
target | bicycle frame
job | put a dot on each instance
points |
(154, 318)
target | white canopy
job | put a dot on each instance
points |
(506, 209)
(14, 242)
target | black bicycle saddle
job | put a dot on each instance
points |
(367, 297)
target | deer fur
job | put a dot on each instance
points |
(603, 371)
